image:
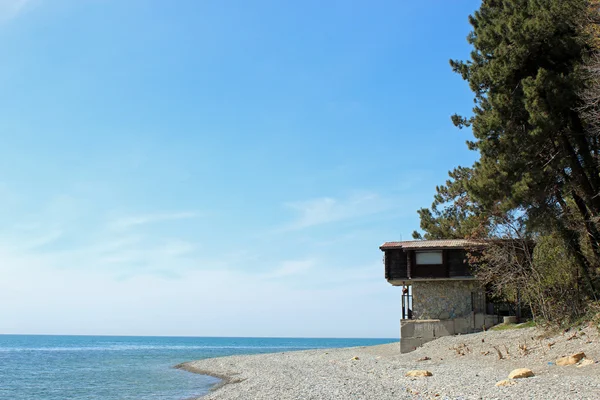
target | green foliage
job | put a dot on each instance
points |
(545, 278)
(523, 72)
(554, 263)
(508, 327)
(453, 215)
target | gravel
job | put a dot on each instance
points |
(463, 367)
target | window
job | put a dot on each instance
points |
(429, 258)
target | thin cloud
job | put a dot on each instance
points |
(177, 247)
(291, 268)
(327, 210)
(43, 240)
(11, 8)
(124, 255)
(136, 220)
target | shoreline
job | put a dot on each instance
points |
(463, 366)
(225, 379)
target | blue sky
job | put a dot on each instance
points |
(224, 168)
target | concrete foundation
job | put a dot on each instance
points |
(414, 333)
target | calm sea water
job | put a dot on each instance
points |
(114, 367)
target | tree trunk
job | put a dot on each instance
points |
(590, 227)
(571, 237)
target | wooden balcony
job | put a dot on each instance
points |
(401, 266)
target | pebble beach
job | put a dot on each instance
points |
(461, 367)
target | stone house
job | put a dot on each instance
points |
(440, 295)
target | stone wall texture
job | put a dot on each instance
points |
(442, 299)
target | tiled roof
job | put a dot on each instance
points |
(432, 244)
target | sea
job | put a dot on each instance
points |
(127, 367)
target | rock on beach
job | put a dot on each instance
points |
(570, 360)
(521, 373)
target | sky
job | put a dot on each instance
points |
(219, 168)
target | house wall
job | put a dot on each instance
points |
(442, 299)
(415, 333)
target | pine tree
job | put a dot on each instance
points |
(538, 157)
